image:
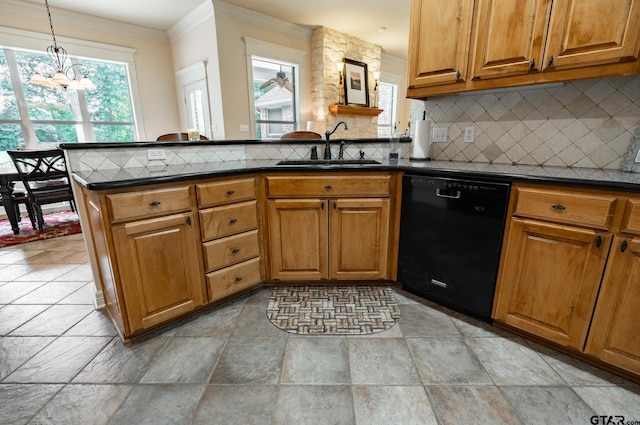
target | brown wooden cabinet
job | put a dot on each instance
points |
(570, 271)
(228, 212)
(614, 335)
(550, 279)
(158, 260)
(439, 40)
(155, 255)
(519, 43)
(358, 238)
(338, 236)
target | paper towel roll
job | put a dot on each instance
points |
(421, 146)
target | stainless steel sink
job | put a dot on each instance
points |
(328, 162)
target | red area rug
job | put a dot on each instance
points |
(55, 224)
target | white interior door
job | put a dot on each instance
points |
(196, 104)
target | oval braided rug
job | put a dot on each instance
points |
(333, 310)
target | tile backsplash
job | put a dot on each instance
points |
(588, 123)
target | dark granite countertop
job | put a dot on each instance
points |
(579, 177)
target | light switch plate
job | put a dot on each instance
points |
(439, 134)
(244, 128)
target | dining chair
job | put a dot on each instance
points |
(175, 137)
(45, 177)
(19, 196)
(301, 135)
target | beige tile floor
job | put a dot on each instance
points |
(62, 363)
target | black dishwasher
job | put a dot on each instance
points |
(450, 240)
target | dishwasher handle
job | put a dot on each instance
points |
(442, 195)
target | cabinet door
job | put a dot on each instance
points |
(298, 232)
(614, 335)
(592, 32)
(509, 37)
(550, 278)
(159, 268)
(440, 32)
(359, 238)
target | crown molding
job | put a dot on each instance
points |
(194, 18)
(228, 10)
(34, 10)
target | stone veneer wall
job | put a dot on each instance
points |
(588, 123)
(329, 47)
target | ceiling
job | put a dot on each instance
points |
(359, 18)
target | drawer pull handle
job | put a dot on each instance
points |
(154, 203)
(235, 250)
(230, 192)
(623, 246)
(328, 187)
(238, 279)
(558, 207)
(598, 241)
(233, 221)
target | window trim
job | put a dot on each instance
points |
(271, 52)
(395, 80)
(16, 39)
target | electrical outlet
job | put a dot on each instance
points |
(439, 134)
(469, 134)
(244, 128)
(156, 154)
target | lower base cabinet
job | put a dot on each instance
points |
(570, 272)
(161, 283)
(551, 278)
(614, 335)
(345, 239)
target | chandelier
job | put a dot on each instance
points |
(59, 73)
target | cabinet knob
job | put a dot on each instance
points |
(623, 246)
(233, 221)
(238, 279)
(532, 64)
(598, 241)
(235, 250)
(189, 221)
(457, 75)
(322, 205)
(328, 187)
(230, 192)
(558, 207)
(154, 203)
(550, 61)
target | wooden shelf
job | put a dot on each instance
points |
(354, 110)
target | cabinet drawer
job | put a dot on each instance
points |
(631, 220)
(126, 206)
(279, 186)
(228, 220)
(233, 279)
(211, 194)
(231, 250)
(566, 207)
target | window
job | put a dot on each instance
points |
(273, 79)
(273, 98)
(33, 116)
(387, 101)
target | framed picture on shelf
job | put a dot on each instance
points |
(356, 83)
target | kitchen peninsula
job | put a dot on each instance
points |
(170, 237)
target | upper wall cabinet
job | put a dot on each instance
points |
(439, 41)
(509, 37)
(592, 32)
(515, 43)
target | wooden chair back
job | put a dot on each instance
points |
(301, 135)
(177, 137)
